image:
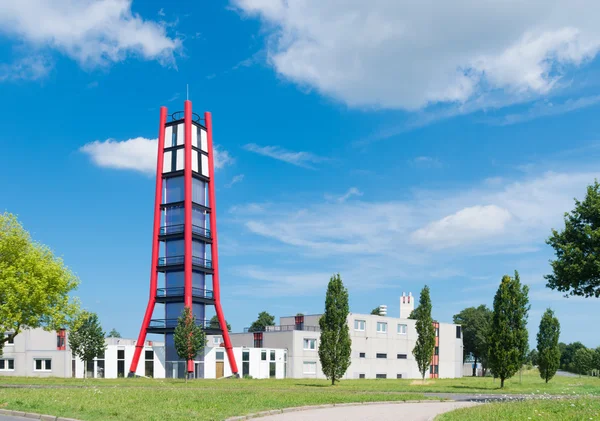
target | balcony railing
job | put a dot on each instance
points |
(284, 328)
(172, 323)
(179, 292)
(179, 260)
(179, 228)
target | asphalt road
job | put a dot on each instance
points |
(8, 418)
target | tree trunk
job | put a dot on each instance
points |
(333, 381)
(501, 382)
(475, 368)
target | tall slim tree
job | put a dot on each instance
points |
(583, 360)
(576, 269)
(335, 343)
(189, 338)
(264, 319)
(34, 284)
(475, 322)
(508, 332)
(423, 350)
(548, 358)
(87, 338)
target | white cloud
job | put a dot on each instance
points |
(352, 191)
(548, 109)
(427, 162)
(299, 159)
(411, 54)
(236, 179)
(138, 154)
(465, 226)
(27, 68)
(92, 32)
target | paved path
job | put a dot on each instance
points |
(423, 411)
(9, 418)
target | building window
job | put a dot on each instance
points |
(120, 363)
(272, 355)
(310, 344)
(219, 355)
(381, 327)
(458, 333)
(381, 376)
(402, 329)
(401, 356)
(361, 355)
(42, 364)
(7, 365)
(258, 340)
(381, 355)
(216, 340)
(431, 369)
(309, 367)
(10, 341)
(60, 340)
(149, 364)
(359, 325)
(435, 368)
(436, 350)
(263, 355)
(361, 376)
(437, 331)
(272, 370)
(398, 376)
(245, 363)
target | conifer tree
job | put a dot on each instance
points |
(189, 338)
(508, 332)
(87, 338)
(335, 343)
(423, 350)
(548, 358)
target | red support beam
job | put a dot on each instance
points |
(215, 244)
(187, 233)
(155, 243)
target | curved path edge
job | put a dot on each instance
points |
(32, 415)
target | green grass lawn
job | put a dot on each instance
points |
(563, 410)
(161, 399)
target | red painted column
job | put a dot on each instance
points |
(155, 243)
(187, 233)
(215, 244)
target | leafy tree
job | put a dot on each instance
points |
(34, 284)
(376, 311)
(335, 344)
(596, 360)
(87, 338)
(533, 357)
(189, 338)
(568, 355)
(475, 323)
(576, 269)
(214, 323)
(413, 314)
(425, 344)
(583, 360)
(547, 346)
(508, 332)
(113, 334)
(264, 319)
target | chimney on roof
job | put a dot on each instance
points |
(407, 305)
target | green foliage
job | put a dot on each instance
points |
(547, 346)
(264, 319)
(475, 323)
(413, 314)
(214, 323)
(87, 337)
(576, 269)
(113, 334)
(508, 332)
(34, 284)
(567, 355)
(376, 311)
(596, 360)
(583, 360)
(335, 343)
(425, 344)
(532, 358)
(189, 338)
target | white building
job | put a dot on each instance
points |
(36, 352)
(381, 346)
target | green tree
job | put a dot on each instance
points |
(425, 344)
(335, 344)
(568, 355)
(596, 360)
(508, 332)
(475, 322)
(189, 338)
(533, 357)
(214, 323)
(376, 311)
(576, 269)
(34, 284)
(547, 346)
(113, 334)
(583, 361)
(86, 339)
(264, 319)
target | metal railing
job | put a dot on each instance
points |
(172, 323)
(179, 228)
(179, 115)
(283, 328)
(179, 292)
(179, 260)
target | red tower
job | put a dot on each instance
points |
(184, 240)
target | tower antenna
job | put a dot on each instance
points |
(187, 91)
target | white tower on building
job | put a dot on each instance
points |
(407, 305)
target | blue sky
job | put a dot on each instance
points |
(387, 143)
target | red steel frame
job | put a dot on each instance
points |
(435, 359)
(155, 242)
(187, 211)
(215, 249)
